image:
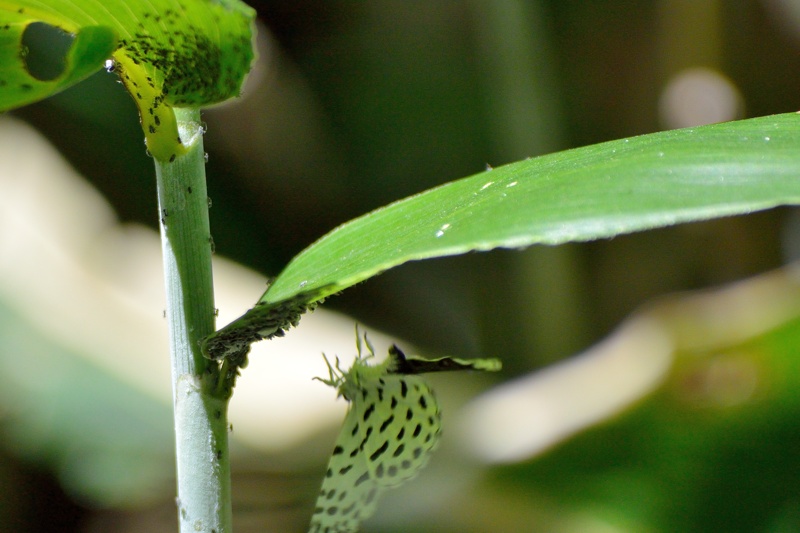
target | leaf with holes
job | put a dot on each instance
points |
(168, 53)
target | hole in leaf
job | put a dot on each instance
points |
(45, 49)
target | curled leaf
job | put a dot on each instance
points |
(168, 53)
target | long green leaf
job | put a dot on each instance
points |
(169, 53)
(578, 195)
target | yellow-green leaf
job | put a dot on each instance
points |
(168, 53)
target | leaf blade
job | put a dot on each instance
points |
(582, 194)
(171, 53)
(578, 195)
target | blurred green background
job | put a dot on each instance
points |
(356, 104)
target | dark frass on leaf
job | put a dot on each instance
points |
(172, 54)
(264, 321)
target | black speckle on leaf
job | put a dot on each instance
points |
(190, 63)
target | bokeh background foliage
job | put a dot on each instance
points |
(354, 105)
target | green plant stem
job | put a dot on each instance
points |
(201, 427)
